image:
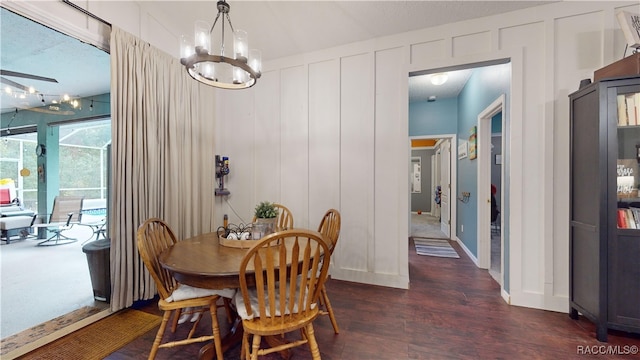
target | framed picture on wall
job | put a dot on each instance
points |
(472, 143)
(416, 174)
(462, 150)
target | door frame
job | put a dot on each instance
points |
(453, 179)
(484, 185)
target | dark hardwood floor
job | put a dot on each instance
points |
(453, 310)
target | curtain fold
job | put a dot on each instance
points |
(162, 157)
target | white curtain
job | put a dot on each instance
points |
(162, 157)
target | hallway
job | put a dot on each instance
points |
(427, 226)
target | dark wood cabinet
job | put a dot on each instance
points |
(604, 242)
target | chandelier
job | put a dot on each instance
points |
(215, 69)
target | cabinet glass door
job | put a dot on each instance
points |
(628, 159)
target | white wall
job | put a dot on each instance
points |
(551, 48)
(329, 129)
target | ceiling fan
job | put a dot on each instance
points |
(22, 87)
(21, 75)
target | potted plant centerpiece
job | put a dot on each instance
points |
(266, 214)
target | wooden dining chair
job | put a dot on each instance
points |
(285, 218)
(330, 227)
(279, 302)
(155, 236)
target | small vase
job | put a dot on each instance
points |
(263, 227)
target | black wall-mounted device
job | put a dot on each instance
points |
(222, 169)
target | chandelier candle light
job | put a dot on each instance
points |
(238, 72)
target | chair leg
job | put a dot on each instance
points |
(311, 340)
(327, 304)
(57, 235)
(194, 325)
(174, 322)
(217, 342)
(156, 342)
(244, 352)
(227, 308)
(255, 348)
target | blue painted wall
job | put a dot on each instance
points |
(448, 116)
(482, 89)
(496, 124)
(433, 118)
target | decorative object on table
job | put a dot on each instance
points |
(214, 68)
(284, 220)
(265, 218)
(237, 236)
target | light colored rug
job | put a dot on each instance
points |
(434, 247)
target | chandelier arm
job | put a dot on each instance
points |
(214, 23)
(222, 40)
(230, 24)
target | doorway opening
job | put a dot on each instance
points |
(447, 100)
(432, 180)
(45, 283)
(491, 121)
(60, 272)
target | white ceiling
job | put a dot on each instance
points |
(421, 88)
(284, 28)
(277, 28)
(81, 70)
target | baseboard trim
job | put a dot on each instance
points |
(388, 280)
(467, 251)
(505, 295)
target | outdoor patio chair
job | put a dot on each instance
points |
(66, 212)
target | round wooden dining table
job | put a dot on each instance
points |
(202, 262)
